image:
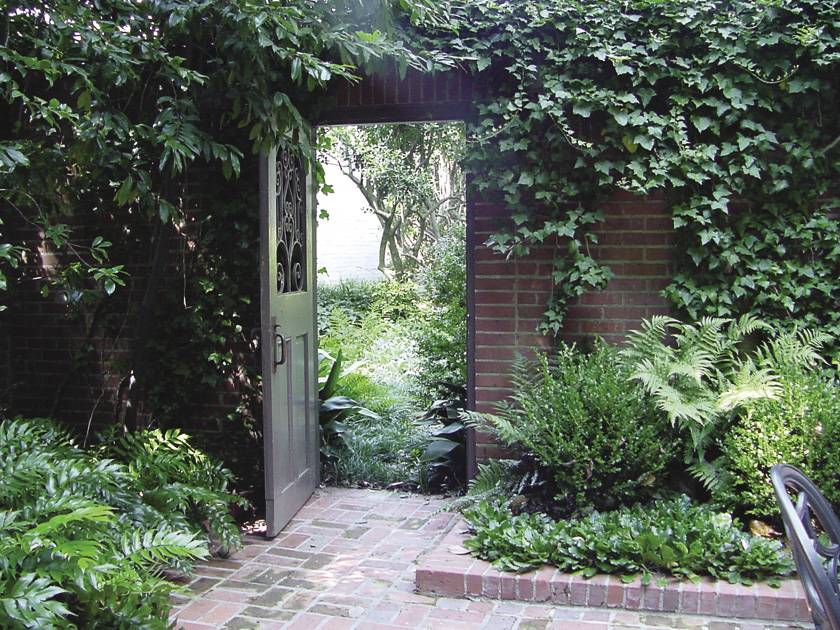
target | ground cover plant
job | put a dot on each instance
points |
(85, 539)
(714, 405)
(386, 354)
(677, 536)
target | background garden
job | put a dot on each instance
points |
(123, 120)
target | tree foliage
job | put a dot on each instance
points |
(411, 179)
(722, 107)
(107, 107)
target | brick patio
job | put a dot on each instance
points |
(377, 560)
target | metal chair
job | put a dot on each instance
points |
(813, 533)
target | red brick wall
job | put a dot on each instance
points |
(413, 89)
(56, 361)
(635, 241)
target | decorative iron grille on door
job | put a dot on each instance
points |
(291, 222)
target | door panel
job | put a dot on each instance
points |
(288, 302)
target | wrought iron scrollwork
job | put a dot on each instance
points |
(291, 222)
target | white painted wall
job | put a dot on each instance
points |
(347, 241)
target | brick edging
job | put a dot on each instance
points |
(447, 571)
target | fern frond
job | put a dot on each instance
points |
(33, 601)
(493, 480)
(648, 342)
(750, 383)
(707, 339)
(746, 325)
(502, 426)
(651, 374)
(683, 410)
(799, 348)
(696, 365)
(161, 548)
(713, 475)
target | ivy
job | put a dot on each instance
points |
(726, 108)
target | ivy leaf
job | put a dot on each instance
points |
(525, 179)
(621, 116)
(701, 123)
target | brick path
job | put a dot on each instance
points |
(348, 561)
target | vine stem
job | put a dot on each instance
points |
(832, 144)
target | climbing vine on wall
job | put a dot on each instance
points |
(728, 108)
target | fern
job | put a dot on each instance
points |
(159, 548)
(701, 375)
(714, 475)
(794, 350)
(494, 480)
(78, 545)
(749, 382)
(33, 602)
(179, 482)
(501, 426)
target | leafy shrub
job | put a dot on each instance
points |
(703, 375)
(446, 453)
(396, 300)
(676, 537)
(441, 332)
(83, 540)
(334, 406)
(386, 349)
(179, 480)
(598, 436)
(801, 427)
(377, 444)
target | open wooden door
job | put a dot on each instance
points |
(289, 334)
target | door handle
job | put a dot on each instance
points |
(280, 346)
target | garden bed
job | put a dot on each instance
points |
(450, 571)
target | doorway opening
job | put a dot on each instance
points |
(392, 306)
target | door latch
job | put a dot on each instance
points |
(280, 346)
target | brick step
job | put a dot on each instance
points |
(449, 572)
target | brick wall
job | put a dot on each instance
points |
(635, 241)
(71, 363)
(56, 355)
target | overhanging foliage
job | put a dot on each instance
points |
(106, 105)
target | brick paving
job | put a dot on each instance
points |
(354, 559)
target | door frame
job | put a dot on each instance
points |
(423, 113)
